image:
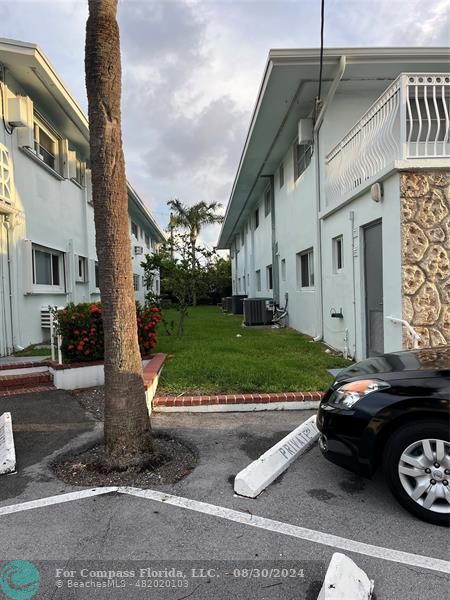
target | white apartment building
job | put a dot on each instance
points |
(341, 208)
(47, 234)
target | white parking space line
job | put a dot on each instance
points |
(310, 535)
(318, 537)
(59, 499)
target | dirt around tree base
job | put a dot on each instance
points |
(172, 460)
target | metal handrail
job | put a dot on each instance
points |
(416, 337)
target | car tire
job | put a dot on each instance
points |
(397, 447)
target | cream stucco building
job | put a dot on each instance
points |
(47, 235)
(341, 207)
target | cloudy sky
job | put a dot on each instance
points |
(191, 70)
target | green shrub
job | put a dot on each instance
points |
(81, 329)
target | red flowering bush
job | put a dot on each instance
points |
(147, 318)
(81, 329)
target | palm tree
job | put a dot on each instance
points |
(193, 218)
(127, 424)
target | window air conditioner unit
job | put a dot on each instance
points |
(138, 250)
(45, 316)
(18, 111)
(305, 131)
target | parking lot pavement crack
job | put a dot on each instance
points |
(191, 593)
(421, 573)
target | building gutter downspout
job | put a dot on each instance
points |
(317, 126)
(275, 272)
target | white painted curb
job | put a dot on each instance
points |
(344, 579)
(7, 451)
(260, 473)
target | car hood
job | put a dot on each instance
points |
(400, 365)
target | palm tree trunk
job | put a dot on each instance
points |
(127, 424)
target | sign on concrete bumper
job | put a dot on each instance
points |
(260, 473)
(7, 451)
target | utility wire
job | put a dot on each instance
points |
(322, 26)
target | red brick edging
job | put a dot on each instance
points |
(151, 371)
(182, 401)
(24, 365)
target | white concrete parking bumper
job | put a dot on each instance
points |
(260, 473)
(344, 579)
(7, 451)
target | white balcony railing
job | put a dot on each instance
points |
(410, 120)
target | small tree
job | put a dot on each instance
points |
(177, 275)
(218, 279)
(192, 219)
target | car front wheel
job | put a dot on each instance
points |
(416, 463)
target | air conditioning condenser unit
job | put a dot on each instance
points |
(258, 311)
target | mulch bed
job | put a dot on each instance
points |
(92, 400)
(172, 459)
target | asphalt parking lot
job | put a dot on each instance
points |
(233, 554)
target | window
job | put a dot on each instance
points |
(248, 279)
(257, 218)
(267, 206)
(258, 280)
(338, 254)
(147, 240)
(136, 281)
(281, 176)
(80, 275)
(97, 276)
(239, 284)
(302, 158)
(269, 279)
(305, 269)
(45, 145)
(47, 268)
(242, 237)
(143, 282)
(80, 171)
(283, 270)
(157, 286)
(134, 230)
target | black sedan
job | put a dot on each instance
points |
(393, 410)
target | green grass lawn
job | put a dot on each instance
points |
(211, 358)
(34, 351)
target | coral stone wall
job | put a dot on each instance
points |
(425, 222)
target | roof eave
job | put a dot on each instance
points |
(331, 55)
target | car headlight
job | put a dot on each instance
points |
(350, 393)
